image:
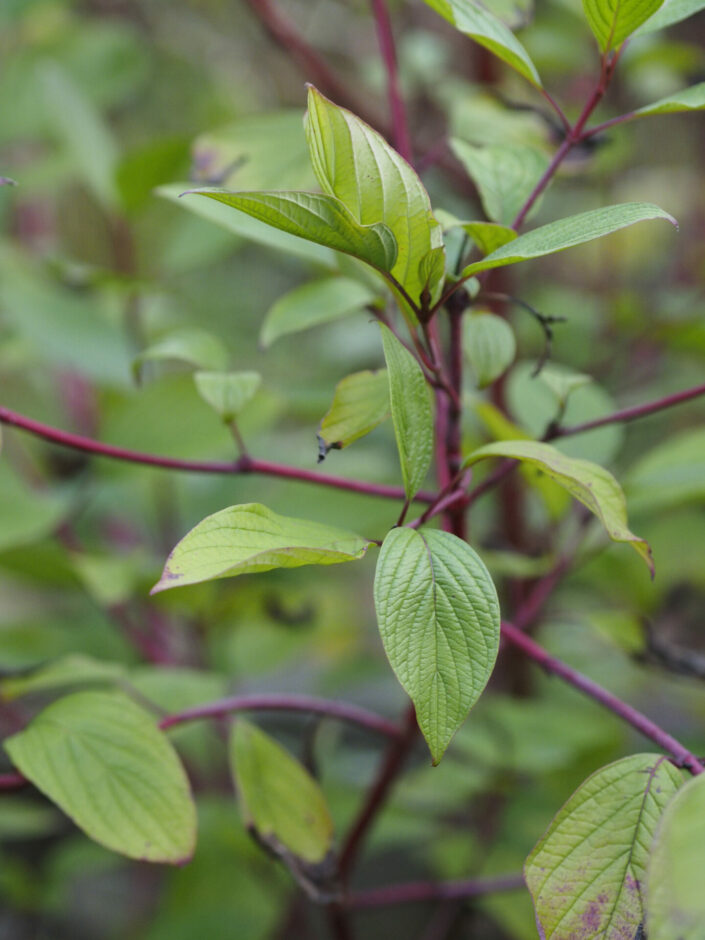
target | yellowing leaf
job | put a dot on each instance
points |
(360, 403)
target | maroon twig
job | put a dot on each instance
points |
(343, 711)
(12, 781)
(417, 891)
(682, 756)
(243, 465)
(397, 108)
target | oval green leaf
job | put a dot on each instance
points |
(613, 21)
(316, 217)
(412, 413)
(191, 345)
(438, 616)
(689, 99)
(227, 392)
(490, 346)
(250, 538)
(588, 482)
(586, 875)
(675, 900)
(103, 761)
(575, 230)
(360, 403)
(355, 163)
(672, 11)
(279, 798)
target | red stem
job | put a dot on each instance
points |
(433, 891)
(244, 465)
(12, 781)
(376, 797)
(296, 703)
(682, 756)
(397, 108)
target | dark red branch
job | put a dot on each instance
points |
(342, 711)
(397, 108)
(12, 781)
(417, 891)
(244, 465)
(681, 755)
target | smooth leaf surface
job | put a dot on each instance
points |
(586, 875)
(675, 897)
(489, 236)
(360, 403)
(316, 217)
(412, 412)
(355, 164)
(671, 12)
(438, 616)
(505, 175)
(490, 346)
(690, 99)
(671, 474)
(279, 798)
(191, 345)
(250, 538)
(72, 670)
(227, 392)
(557, 236)
(103, 761)
(476, 21)
(613, 21)
(312, 304)
(250, 228)
(588, 482)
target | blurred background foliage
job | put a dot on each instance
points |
(108, 109)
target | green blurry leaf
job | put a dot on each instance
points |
(489, 344)
(612, 21)
(586, 874)
(360, 403)
(505, 175)
(27, 515)
(438, 616)
(488, 236)
(473, 19)
(22, 819)
(110, 579)
(82, 131)
(251, 538)
(72, 670)
(103, 761)
(279, 797)
(149, 166)
(317, 218)
(675, 901)
(227, 392)
(312, 304)
(562, 382)
(557, 236)
(410, 399)
(355, 164)
(672, 11)
(589, 483)
(672, 474)
(191, 345)
(690, 99)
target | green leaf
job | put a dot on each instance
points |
(589, 483)
(82, 131)
(355, 164)
(250, 538)
(675, 900)
(103, 761)
(586, 875)
(505, 175)
(250, 228)
(227, 392)
(360, 403)
(312, 304)
(27, 515)
(318, 218)
(489, 344)
(672, 474)
(690, 99)
(613, 21)
(279, 798)
(473, 19)
(72, 670)
(575, 230)
(562, 382)
(412, 414)
(191, 345)
(672, 11)
(438, 616)
(488, 236)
